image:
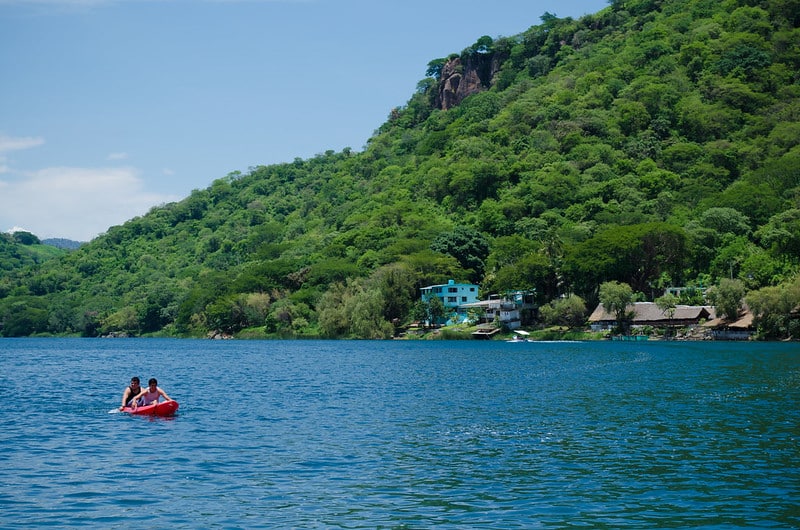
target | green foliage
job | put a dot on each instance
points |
(22, 316)
(638, 254)
(569, 311)
(650, 140)
(775, 309)
(434, 310)
(26, 238)
(615, 298)
(728, 297)
(781, 234)
(370, 308)
(533, 272)
(435, 68)
(466, 245)
(22, 249)
(667, 304)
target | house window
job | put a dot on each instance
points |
(452, 289)
(463, 298)
(452, 299)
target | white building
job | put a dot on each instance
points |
(503, 310)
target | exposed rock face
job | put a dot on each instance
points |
(461, 79)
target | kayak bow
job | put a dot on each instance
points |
(165, 408)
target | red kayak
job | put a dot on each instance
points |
(165, 408)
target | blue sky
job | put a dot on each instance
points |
(111, 107)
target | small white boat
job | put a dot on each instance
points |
(520, 336)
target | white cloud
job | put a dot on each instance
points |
(76, 203)
(10, 143)
(117, 156)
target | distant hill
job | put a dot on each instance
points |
(66, 244)
(652, 143)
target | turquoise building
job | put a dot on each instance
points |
(455, 297)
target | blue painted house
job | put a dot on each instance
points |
(455, 298)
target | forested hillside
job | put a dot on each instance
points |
(20, 249)
(654, 143)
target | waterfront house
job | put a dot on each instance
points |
(649, 314)
(740, 328)
(509, 310)
(454, 296)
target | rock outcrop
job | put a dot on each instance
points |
(462, 78)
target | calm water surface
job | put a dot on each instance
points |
(318, 434)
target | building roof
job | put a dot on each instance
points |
(481, 303)
(451, 283)
(650, 312)
(745, 321)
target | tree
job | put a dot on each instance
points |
(667, 304)
(432, 267)
(774, 310)
(725, 221)
(727, 298)
(507, 250)
(125, 320)
(758, 200)
(435, 68)
(287, 317)
(23, 316)
(365, 310)
(26, 238)
(396, 283)
(533, 272)
(419, 312)
(468, 246)
(781, 234)
(569, 311)
(368, 308)
(638, 254)
(256, 308)
(227, 314)
(615, 298)
(331, 313)
(434, 309)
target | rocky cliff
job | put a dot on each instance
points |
(463, 76)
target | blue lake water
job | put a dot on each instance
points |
(350, 434)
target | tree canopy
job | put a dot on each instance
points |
(650, 143)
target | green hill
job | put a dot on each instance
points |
(22, 249)
(653, 143)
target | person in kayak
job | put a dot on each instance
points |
(150, 395)
(130, 393)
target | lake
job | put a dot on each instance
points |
(401, 434)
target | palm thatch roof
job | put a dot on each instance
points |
(648, 313)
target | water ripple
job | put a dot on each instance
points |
(402, 435)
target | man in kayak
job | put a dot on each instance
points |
(150, 395)
(130, 393)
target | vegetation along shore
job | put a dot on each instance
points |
(647, 153)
